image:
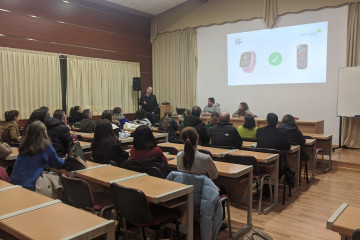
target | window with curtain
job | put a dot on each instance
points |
(100, 84)
(29, 80)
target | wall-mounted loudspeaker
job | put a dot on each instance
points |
(137, 84)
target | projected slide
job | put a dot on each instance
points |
(295, 54)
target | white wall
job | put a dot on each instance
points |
(316, 101)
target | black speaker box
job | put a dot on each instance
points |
(137, 84)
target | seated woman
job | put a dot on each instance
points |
(145, 146)
(36, 115)
(75, 115)
(248, 130)
(108, 114)
(294, 134)
(5, 149)
(169, 125)
(106, 145)
(119, 116)
(35, 154)
(11, 134)
(140, 118)
(243, 109)
(191, 160)
(213, 121)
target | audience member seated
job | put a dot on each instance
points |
(194, 121)
(190, 160)
(211, 107)
(75, 115)
(271, 136)
(186, 113)
(35, 154)
(108, 114)
(120, 117)
(248, 130)
(169, 125)
(145, 146)
(294, 134)
(224, 133)
(243, 109)
(140, 118)
(87, 124)
(5, 149)
(214, 119)
(11, 134)
(106, 145)
(45, 109)
(36, 115)
(59, 133)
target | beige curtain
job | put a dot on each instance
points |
(270, 12)
(100, 84)
(29, 80)
(174, 68)
(351, 126)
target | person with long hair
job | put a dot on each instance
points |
(11, 133)
(191, 160)
(36, 115)
(169, 125)
(108, 114)
(5, 149)
(145, 146)
(243, 109)
(214, 119)
(248, 130)
(106, 145)
(75, 115)
(140, 118)
(35, 154)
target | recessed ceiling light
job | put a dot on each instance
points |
(4, 10)
(2, 35)
(66, 1)
(33, 16)
(30, 39)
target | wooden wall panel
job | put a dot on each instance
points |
(85, 31)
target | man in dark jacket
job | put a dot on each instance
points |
(87, 124)
(194, 121)
(271, 136)
(224, 133)
(149, 103)
(59, 133)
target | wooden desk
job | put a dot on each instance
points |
(269, 163)
(293, 158)
(58, 221)
(310, 149)
(323, 141)
(85, 145)
(178, 146)
(344, 221)
(216, 152)
(106, 175)
(4, 184)
(156, 136)
(304, 126)
(248, 144)
(161, 191)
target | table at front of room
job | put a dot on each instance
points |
(158, 191)
(25, 214)
(232, 176)
(344, 221)
(323, 141)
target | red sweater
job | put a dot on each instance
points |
(147, 153)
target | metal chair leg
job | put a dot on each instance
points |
(261, 194)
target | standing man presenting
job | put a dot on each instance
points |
(149, 103)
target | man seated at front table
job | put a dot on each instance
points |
(271, 136)
(224, 133)
(193, 120)
(211, 107)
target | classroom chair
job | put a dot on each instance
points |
(170, 150)
(131, 205)
(319, 151)
(205, 152)
(81, 196)
(155, 167)
(258, 177)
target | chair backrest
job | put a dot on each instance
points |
(3, 175)
(153, 166)
(282, 158)
(78, 192)
(205, 152)
(248, 139)
(356, 235)
(170, 150)
(131, 204)
(225, 147)
(244, 160)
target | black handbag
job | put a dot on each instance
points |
(75, 159)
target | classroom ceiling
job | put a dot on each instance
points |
(153, 7)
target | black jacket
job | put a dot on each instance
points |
(295, 137)
(171, 129)
(151, 102)
(75, 117)
(200, 127)
(225, 134)
(116, 153)
(87, 125)
(272, 137)
(59, 135)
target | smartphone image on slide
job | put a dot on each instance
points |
(302, 56)
(248, 61)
